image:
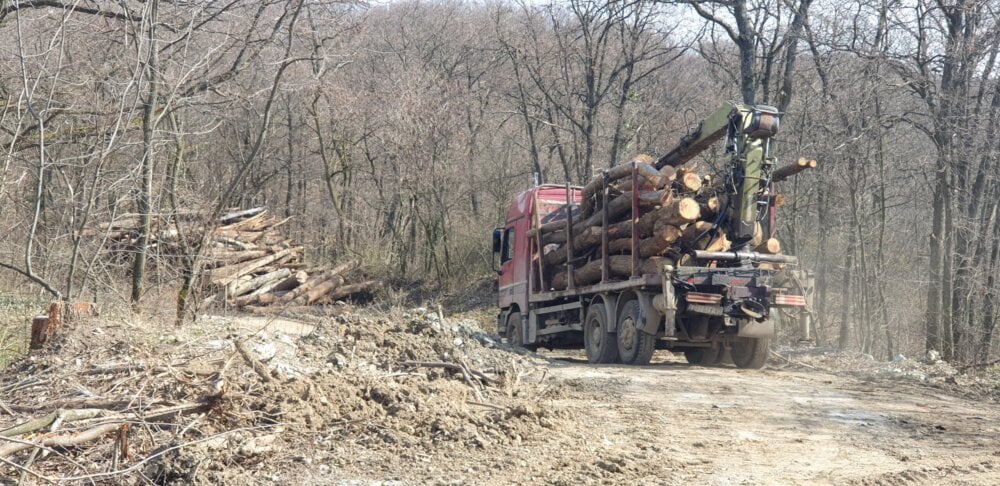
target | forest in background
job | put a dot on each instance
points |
(395, 134)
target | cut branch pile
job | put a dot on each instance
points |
(249, 262)
(94, 427)
(230, 400)
(678, 211)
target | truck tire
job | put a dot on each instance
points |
(703, 356)
(514, 335)
(598, 339)
(634, 346)
(750, 353)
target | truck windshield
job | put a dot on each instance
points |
(549, 211)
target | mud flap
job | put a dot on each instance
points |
(754, 329)
(650, 317)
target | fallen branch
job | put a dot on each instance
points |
(87, 435)
(252, 361)
(467, 373)
(75, 403)
(181, 409)
(25, 470)
(71, 415)
(434, 364)
(39, 423)
(483, 376)
(25, 383)
(487, 405)
(796, 363)
(113, 369)
(61, 440)
(38, 448)
(141, 464)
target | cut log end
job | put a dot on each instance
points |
(710, 207)
(687, 210)
(790, 170)
(771, 246)
(689, 182)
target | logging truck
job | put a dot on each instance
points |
(651, 255)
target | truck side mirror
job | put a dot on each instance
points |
(497, 233)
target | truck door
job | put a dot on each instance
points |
(513, 281)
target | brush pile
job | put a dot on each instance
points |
(231, 400)
(247, 262)
(677, 211)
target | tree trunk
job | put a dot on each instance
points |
(258, 282)
(148, 126)
(947, 275)
(932, 326)
(647, 173)
(352, 289)
(655, 245)
(618, 265)
(844, 338)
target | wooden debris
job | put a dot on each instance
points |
(249, 261)
(789, 170)
(253, 362)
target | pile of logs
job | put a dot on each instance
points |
(678, 212)
(250, 263)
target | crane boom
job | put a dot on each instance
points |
(747, 130)
(708, 132)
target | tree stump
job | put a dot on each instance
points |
(43, 327)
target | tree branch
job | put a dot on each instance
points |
(38, 4)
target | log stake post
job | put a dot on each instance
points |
(569, 238)
(770, 213)
(604, 227)
(536, 238)
(635, 220)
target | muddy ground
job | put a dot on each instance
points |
(343, 406)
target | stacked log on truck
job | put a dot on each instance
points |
(673, 212)
(249, 262)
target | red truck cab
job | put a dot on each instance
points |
(547, 203)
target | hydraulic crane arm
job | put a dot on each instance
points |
(708, 132)
(747, 130)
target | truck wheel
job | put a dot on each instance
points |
(598, 339)
(750, 353)
(703, 356)
(514, 335)
(634, 346)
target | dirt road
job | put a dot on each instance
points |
(671, 423)
(674, 423)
